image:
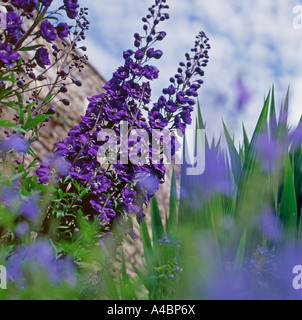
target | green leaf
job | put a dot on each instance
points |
(146, 241)
(173, 215)
(32, 123)
(234, 155)
(156, 223)
(6, 123)
(31, 48)
(289, 210)
(48, 98)
(239, 259)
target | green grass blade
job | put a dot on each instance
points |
(289, 210)
(239, 259)
(146, 241)
(173, 216)
(234, 155)
(156, 223)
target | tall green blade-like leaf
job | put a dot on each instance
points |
(251, 156)
(172, 220)
(234, 155)
(239, 259)
(156, 223)
(273, 116)
(146, 241)
(246, 141)
(289, 211)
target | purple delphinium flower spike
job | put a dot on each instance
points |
(119, 187)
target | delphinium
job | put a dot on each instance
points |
(33, 48)
(34, 45)
(120, 186)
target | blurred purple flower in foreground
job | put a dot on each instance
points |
(269, 225)
(215, 179)
(296, 136)
(39, 259)
(16, 142)
(270, 151)
(244, 96)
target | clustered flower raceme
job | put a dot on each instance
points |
(118, 187)
(19, 37)
(15, 34)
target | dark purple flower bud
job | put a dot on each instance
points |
(32, 76)
(137, 36)
(150, 53)
(78, 83)
(171, 90)
(161, 35)
(158, 54)
(191, 102)
(51, 110)
(66, 102)
(41, 77)
(127, 54)
(63, 89)
(139, 54)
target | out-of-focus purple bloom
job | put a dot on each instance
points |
(197, 190)
(10, 197)
(16, 142)
(244, 96)
(22, 229)
(52, 169)
(270, 151)
(39, 259)
(296, 137)
(269, 225)
(29, 209)
(42, 58)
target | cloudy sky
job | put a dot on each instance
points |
(252, 40)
